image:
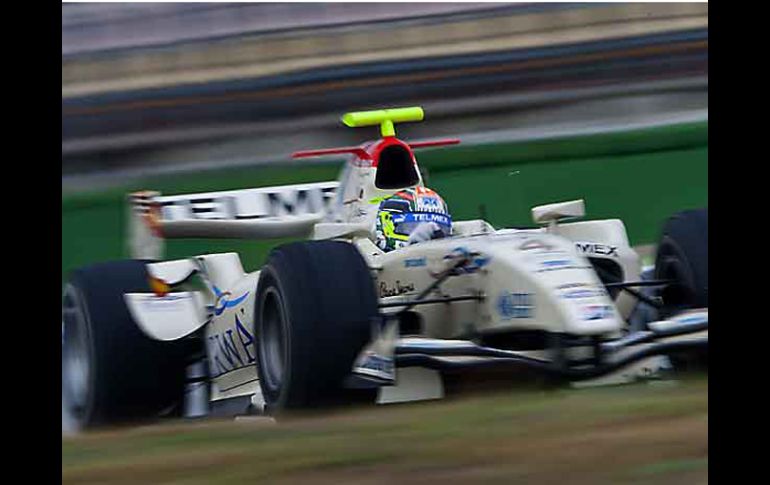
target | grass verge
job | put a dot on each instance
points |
(621, 435)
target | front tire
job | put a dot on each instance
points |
(682, 258)
(313, 314)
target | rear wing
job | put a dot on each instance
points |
(262, 213)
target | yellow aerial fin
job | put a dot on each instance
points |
(383, 117)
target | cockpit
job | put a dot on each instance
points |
(396, 168)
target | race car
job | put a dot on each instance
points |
(344, 316)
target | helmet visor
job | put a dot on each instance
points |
(405, 223)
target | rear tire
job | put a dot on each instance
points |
(313, 314)
(111, 371)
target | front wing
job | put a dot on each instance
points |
(573, 361)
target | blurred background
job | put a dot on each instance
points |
(553, 101)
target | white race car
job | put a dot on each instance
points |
(336, 319)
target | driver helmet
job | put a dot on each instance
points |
(401, 214)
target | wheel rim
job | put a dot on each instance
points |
(273, 340)
(76, 354)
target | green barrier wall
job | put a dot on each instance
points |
(640, 177)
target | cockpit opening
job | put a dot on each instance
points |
(395, 169)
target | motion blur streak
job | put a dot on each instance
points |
(687, 47)
(151, 86)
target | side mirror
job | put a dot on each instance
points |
(550, 213)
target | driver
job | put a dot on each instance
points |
(411, 216)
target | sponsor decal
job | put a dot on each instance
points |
(515, 305)
(415, 262)
(539, 250)
(596, 312)
(162, 303)
(224, 301)
(572, 291)
(428, 345)
(376, 365)
(534, 244)
(579, 294)
(518, 236)
(477, 262)
(567, 286)
(692, 319)
(226, 354)
(597, 249)
(249, 203)
(428, 204)
(555, 263)
(558, 266)
(398, 289)
(441, 219)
